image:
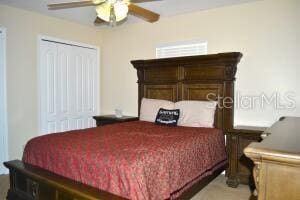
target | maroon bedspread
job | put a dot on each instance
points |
(135, 160)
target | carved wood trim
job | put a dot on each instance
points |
(256, 173)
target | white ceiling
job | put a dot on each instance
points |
(86, 15)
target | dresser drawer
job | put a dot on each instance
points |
(105, 122)
(102, 120)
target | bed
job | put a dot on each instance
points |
(144, 172)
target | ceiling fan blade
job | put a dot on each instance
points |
(141, 1)
(70, 5)
(98, 21)
(143, 13)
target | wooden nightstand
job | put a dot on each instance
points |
(240, 167)
(112, 119)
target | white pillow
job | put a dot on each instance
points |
(196, 113)
(149, 108)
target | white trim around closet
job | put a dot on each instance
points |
(5, 128)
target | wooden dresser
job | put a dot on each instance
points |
(277, 161)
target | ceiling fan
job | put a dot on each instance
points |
(112, 11)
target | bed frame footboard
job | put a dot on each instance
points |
(28, 182)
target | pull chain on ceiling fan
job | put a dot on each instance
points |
(112, 11)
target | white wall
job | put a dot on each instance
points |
(266, 32)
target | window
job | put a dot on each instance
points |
(181, 49)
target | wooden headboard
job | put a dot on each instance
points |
(191, 78)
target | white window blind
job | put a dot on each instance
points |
(181, 49)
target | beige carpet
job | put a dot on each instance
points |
(4, 185)
(216, 190)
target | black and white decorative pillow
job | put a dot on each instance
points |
(167, 117)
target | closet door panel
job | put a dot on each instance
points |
(48, 91)
(68, 94)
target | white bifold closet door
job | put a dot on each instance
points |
(69, 78)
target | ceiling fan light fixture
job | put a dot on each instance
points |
(108, 10)
(111, 11)
(121, 10)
